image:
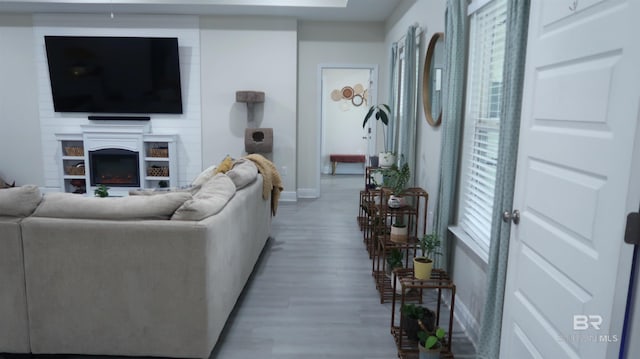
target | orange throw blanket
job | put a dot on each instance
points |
(272, 182)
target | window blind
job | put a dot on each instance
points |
(482, 118)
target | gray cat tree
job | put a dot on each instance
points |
(256, 140)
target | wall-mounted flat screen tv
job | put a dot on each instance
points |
(114, 74)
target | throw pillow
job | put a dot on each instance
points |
(4, 184)
(211, 199)
(204, 176)
(19, 201)
(243, 173)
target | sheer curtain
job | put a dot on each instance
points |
(408, 109)
(455, 39)
(516, 45)
(390, 140)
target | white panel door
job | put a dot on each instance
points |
(568, 267)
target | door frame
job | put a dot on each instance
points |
(373, 99)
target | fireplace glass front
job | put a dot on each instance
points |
(114, 167)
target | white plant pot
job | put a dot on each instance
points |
(396, 201)
(424, 353)
(397, 281)
(386, 159)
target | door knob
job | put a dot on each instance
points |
(511, 216)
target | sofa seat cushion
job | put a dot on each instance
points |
(19, 201)
(209, 200)
(243, 173)
(68, 205)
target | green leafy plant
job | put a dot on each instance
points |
(413, 311)
(394, 260)
(431, 340)
(413, 316)
(101, 191)
(399, 221)
(397, 178)
(429, 245)
(382, 113)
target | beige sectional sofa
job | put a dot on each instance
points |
(84, 283)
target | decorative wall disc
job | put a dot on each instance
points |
(336, 95)
(347, 92)
(357, 100)
(359, 89)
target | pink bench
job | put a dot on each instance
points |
(345, 159)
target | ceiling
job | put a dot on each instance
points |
(313, 10)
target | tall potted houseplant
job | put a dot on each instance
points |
(423, 265)
(382, 113)
(396, 178)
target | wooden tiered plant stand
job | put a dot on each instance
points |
(415, 214)
(440, 282)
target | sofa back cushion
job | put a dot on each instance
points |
(209, 200)
(68, 205)
(243, 173)
(19, 201)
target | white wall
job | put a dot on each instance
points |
(20, 146)
(249, 53)
(187, 125)
(342, 120)
(328, 43)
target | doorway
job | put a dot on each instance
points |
(346, 93)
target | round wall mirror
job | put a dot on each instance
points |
(432, 80)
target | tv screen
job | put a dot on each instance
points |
(114, 74)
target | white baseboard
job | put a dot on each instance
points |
(469, 324)
(288, 196)
(308, 193)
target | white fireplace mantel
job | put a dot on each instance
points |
(125, 136)
(135, 138)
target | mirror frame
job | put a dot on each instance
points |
(426, 80)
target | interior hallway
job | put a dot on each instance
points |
(312, 294)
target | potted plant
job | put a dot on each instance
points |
(101, 191)
(430, 343)
(422, 266)
(381, 112)
(394, 260)
(412, 316)
(399, 230)
(396, 178)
